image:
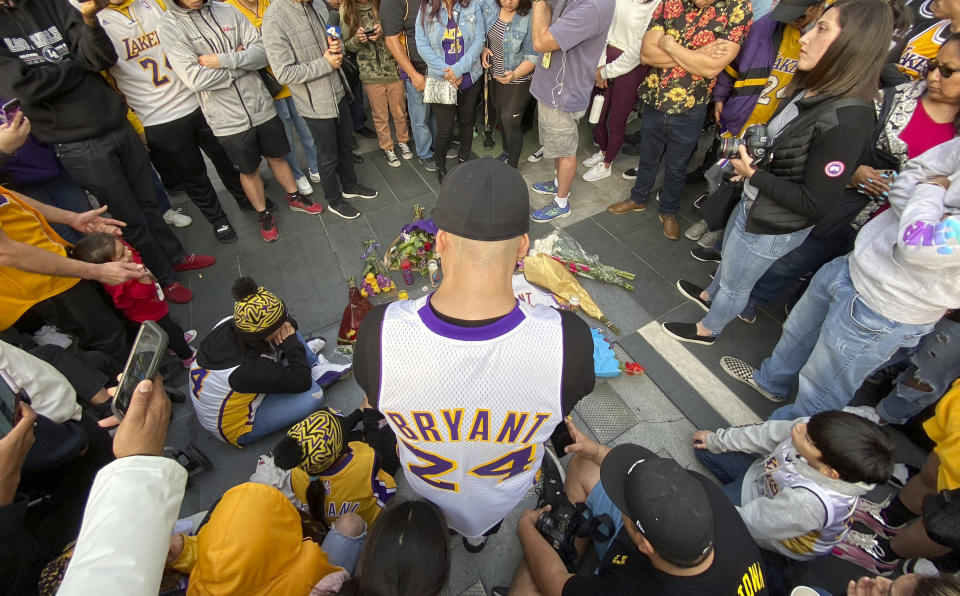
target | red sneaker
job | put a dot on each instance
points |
(303, 204)
(194, 261)
(268, 227)
(178, 293)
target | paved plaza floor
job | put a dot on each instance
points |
(684, 388)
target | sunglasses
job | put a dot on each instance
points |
(945, 71)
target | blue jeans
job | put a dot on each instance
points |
(282, 410)
(292, 120)
(936, 362)
(343, 551)
(421, 121)
(598, 502)
(674, 137)
(60, 191)
(833, 340)
(729, 468)
(746, 257)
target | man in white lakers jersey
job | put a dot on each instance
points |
(472, 380)
(170, 113)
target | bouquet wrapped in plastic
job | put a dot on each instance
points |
(547, 272)
(562, 247)
(376, 279)
(357, 307)
(415, 243)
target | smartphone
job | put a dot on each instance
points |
(143, 362)
(370, 32)
(11, 395)
(10, 109)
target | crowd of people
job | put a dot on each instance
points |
(832, 178)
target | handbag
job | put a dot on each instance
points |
(439, 91)
(274, 87)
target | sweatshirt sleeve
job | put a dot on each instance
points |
(793, 512)
(252, 56)
(757, 438)
(942, 160)
(183, 59)
(264, 375)
(831, 159)
(125, 536)
(90, 45)
(926, 238)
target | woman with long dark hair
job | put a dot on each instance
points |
(817, 137)
(450, 36)
(510, 60)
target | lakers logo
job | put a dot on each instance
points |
(320, 436)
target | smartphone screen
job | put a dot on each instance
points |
(9, 404)
(10, 109)
(143, 362)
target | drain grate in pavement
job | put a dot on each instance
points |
(474, 590)
(605, 413)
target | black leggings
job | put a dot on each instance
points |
(465, 110)
(176, 341)
(511, 102)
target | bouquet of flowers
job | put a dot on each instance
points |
(357, 307)
(375, 279)
(562, 247)
(415, 244)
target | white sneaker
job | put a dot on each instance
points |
(597, 172)
(405, 151)
(177, 218)
(303, 185)
(392, 160)
(593, 159)
(315, 177)
(535, 156)
(316, 344)
(709, 239)
(697, 230)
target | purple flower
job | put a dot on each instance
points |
(383, 281)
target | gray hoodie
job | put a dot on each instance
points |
(906, 262)
(788, 506)
(233, 98)
(294, 35)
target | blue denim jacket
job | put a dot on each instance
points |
(517, 39)
(473, 28)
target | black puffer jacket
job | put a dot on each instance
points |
(812, 160)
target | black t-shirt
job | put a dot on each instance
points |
(736, 568)
(578, 372)
(393, 23)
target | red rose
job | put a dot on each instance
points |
(703, 38)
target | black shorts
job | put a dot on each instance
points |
(941, 517)
(245, 148)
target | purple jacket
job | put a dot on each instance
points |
(33, 162)
(742, 82)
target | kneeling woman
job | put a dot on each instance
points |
(252, 375)
(819, 136)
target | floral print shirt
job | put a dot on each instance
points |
(674, 90)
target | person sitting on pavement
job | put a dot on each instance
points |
(797, 484)
(509, 371)
(867, 303)
(331, 475)
(405, 554)
(139, 299)
(675, 532)
(921, 520)
(254, 373)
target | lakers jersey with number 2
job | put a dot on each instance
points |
(471, 406)
(142, 72)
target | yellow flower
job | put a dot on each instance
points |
(738, 15)
(652, 80)
(677, 94)
(673, 33)
(691, 101)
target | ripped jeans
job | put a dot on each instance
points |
(936, 363)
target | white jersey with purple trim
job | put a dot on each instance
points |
(471, 406)
(142, 72)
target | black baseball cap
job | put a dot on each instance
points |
(483, 199)
(788, 11)
(665, 502)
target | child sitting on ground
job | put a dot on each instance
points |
(798, 498)
(329, 474)
(139, 299)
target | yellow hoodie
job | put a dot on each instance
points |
(252, 544)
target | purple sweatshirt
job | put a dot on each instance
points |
(33, 162)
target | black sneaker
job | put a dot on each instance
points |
(630, 174)
(692, 293)
(268, 226)
(343, 209)
(359, 192)
(631, 149)
(473, 548)
(705, 255)
(429, 164)
(687, 332)
(225, 234)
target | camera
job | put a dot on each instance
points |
(563, 523)
(756, 139)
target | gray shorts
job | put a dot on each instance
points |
(558, 131)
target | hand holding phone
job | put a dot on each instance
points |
(143, 430)
(10, 109)
(142, 364)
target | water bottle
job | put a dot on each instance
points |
(595, 108)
